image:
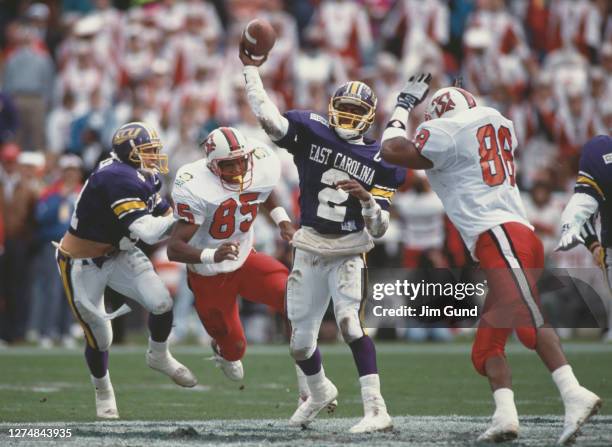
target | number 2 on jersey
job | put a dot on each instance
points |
(330, 198)
(224, 221)
(496, 159)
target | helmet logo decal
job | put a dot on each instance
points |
(126, 134)
(209, 145)
(444, 104)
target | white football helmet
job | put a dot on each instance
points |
(229, 158)
(448, 102)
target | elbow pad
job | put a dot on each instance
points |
(275, 124)
(151, 229)
(376, 219)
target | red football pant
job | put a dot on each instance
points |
(261, 279)
(512, 257)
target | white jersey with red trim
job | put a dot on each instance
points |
(223, 215)
(473, 171)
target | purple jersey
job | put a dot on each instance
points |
(114, 196)
(322, 159)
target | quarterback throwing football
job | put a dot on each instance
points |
(345, 192)
(216, 201)
(120, 204)
(468, 153)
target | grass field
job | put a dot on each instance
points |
(432, 391)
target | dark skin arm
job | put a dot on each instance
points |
(179, 249)
(287, 230)
(401, 151)
(354, 188)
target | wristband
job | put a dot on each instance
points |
(369, 208)
(208, 255)
(279, 215)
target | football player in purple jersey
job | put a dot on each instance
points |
(119, 205)
(345, 193)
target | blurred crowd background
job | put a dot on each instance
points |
(72, 71)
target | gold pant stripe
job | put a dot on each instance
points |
(91, 341)
(364, 294)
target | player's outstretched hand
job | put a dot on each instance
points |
(599, 256)
(227, 250)
(354, 188)
(570, 237)
(287, 230)
(246, 60)
(415, 91)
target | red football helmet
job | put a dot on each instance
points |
(448, 102)
(229, 158)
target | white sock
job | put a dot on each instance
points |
(316, 383)
(370, 390)
(102, 383)
(565, 379)
(158, 347)
(371, 382)
(504, 402)
(302, 383)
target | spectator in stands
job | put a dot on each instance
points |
(21, 182)
(50, 315)
(28, 78)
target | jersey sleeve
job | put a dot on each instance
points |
(127, 198)
(589, 167)
(297, 132)
(435, 144)
(161, 205)
(386, 183)
(187, 207)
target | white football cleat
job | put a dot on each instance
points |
(106, 406)
(168, 365)
(504, 427)
(580, 405)
(330, 408)
(324, 397)
(232, 370)
(376, 417)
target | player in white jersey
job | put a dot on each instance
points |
(468, 151)
(216, 200)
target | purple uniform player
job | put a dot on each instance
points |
(345, 191)
(592, 195)
(120, 204)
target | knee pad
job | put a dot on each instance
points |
(302, 344)
(528, 336)
(350, 326)
(98, 332)
(489, 342)
(160, 300)
(163, 305)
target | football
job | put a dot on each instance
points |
(258, 39)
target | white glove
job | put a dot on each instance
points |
(570, 237)
(414, 92)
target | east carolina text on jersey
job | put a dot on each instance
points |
(114, 196)
(322, 159)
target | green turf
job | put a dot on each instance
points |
(417, 380)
